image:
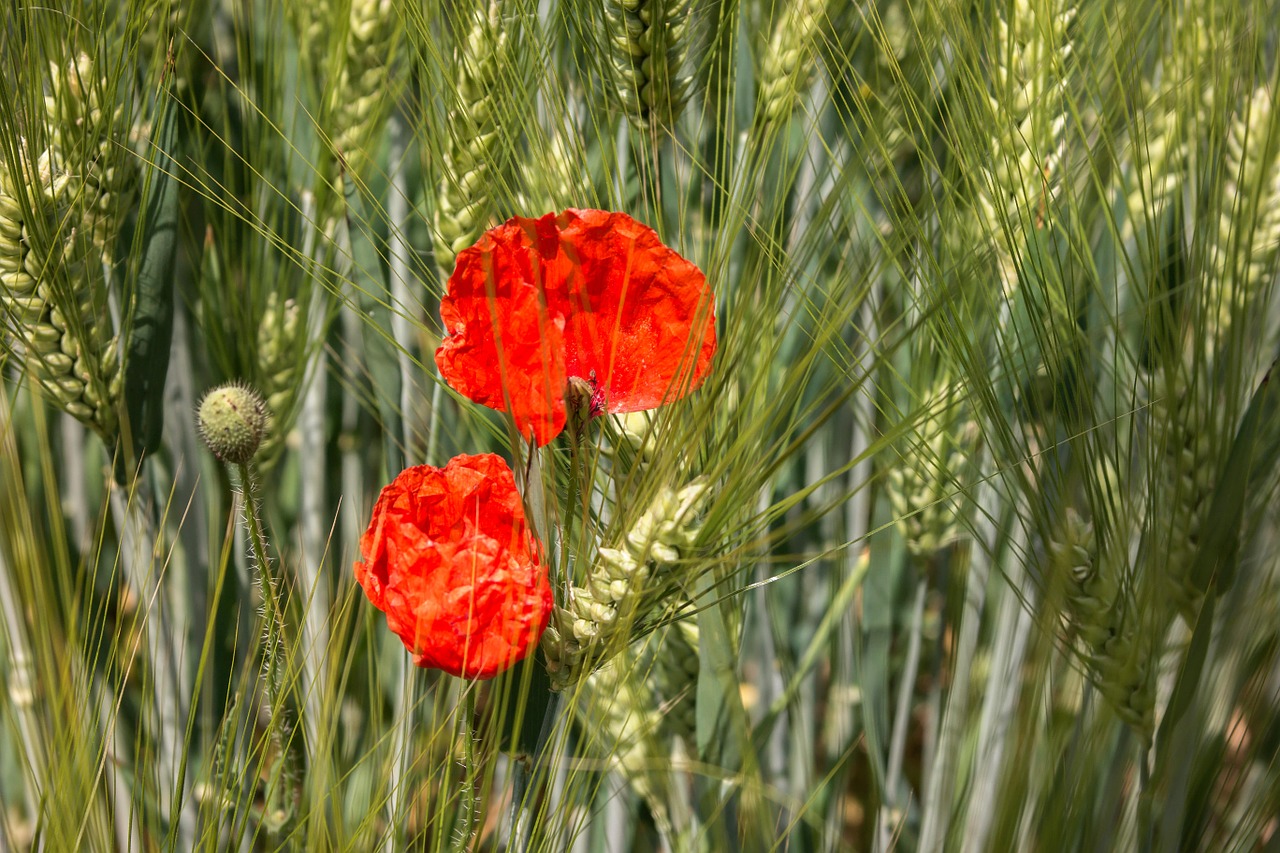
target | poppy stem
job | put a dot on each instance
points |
(464, 821)
(261, 559)
(280, 798)
(571, 504)
(578, 498)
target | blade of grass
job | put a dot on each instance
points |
(138, 551)
(150, 322)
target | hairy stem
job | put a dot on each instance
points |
(280, 796)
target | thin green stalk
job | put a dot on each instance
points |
(408, 685)
(73, 487)
(936, 803)
(313, 523)
(889, 822)
(579, 492)
(624, 159)
(281, 796)
(116, 749)
(186, 604)
(842, 601)
(770, 683)
(21, 685)
(433, 428)
(560, 803)
(1146, 822)
(408, 688)
(521, 814)
(1000, 699)
(526, 774)
(617, 815)
(806, 181)
(408, 695)
(271, 600)
(193, 528)
(138, 543)
(21, 670)
(938, 565)
(535, 498)
(401, 755)
(840, 710)
(404, 313)
(464, 824)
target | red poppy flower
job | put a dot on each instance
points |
(586, 295)
(448, 558)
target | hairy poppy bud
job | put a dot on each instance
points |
(233, 420)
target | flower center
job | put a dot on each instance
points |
(584, 398)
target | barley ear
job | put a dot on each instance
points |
(1162, 149)
(54, 298)
(364, 79)
(464, 205)
(1249, 217)
(281, 341)
(648, 43)
(1114, 633)
(675, 666)
(789, 59)
(312, 22)
(625, 585)
(554, 178)
(620, 710)
(1186, 432)
(88, 146)
(1022, 176)
(924, 482)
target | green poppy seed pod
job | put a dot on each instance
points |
(578, 397)
(233, 421)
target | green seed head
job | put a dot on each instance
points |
(232, 420)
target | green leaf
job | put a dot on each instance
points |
(520, 699)
(150, 327)
(721, 719)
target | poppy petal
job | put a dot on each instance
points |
(586, 294)
(449, 560)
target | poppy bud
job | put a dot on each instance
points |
(578, 395)
(232, 419)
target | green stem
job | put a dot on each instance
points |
(936, 803)
(464, 822)
(139, 533)
(258, 543)
(526, 773)
(1145, 819)
(579, 494)
(892, 809)
(279, 808)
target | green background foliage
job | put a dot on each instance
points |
(977, 543)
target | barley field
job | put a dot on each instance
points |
(639, 425)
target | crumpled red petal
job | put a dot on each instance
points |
(586, 293)
(449, 560)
